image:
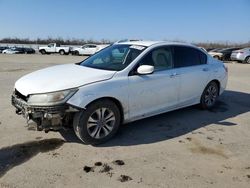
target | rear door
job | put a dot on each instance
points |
(93, 49)
(191, 65)
(86, 50)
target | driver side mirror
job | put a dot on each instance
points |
(145, 69)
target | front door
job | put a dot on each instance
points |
(157, 92)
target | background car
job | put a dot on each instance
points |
(54, 48)
(87, 49)
(13, 50)
(19, 50)
(2, 48)
(28, 50)
(215, 53)
(226, 53)
(242, 55)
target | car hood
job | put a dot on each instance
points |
(60, 77)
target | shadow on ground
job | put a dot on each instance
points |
(149, 130)
(180, 122)
(17, 154)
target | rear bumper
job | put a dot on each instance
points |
(237, 57)
(46, 117)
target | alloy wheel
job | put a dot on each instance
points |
(211, 95)
(100, 123)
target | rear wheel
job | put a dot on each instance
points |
(209, 95)
(247, 60)
(43, 52)
(98, 123)
(77, 53)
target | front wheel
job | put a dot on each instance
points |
(209, 95)
(98, 123)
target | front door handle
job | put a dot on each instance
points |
(205, 69)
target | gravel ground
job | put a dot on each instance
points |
(184, 148)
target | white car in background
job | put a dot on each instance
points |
(216, 54)
(87, 49)
(242, 55)
(122, 83)
(12, 50)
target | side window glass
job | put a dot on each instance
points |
(186, 56)
(203, 57)
(160, 58)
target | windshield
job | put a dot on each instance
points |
(115, 57)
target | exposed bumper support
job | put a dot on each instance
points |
(46, 117)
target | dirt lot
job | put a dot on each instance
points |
(184, 148)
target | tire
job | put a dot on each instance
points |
(77, 53)
(209, 96)
(62, 52)
(43, 52)
(247, 60)
(95, 129)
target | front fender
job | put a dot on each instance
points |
(117, 90)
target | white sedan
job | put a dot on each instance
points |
(120, 84)
(87, 49)
(12, 50)
(216, 54)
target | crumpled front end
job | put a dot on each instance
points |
(47, 118)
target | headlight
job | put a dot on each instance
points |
(47, 99)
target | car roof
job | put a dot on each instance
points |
(151, 43)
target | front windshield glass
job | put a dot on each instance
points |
(115, 57)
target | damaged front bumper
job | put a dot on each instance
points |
(46, 117)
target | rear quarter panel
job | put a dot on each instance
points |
(219, 73)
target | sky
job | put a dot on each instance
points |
(185, 20)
